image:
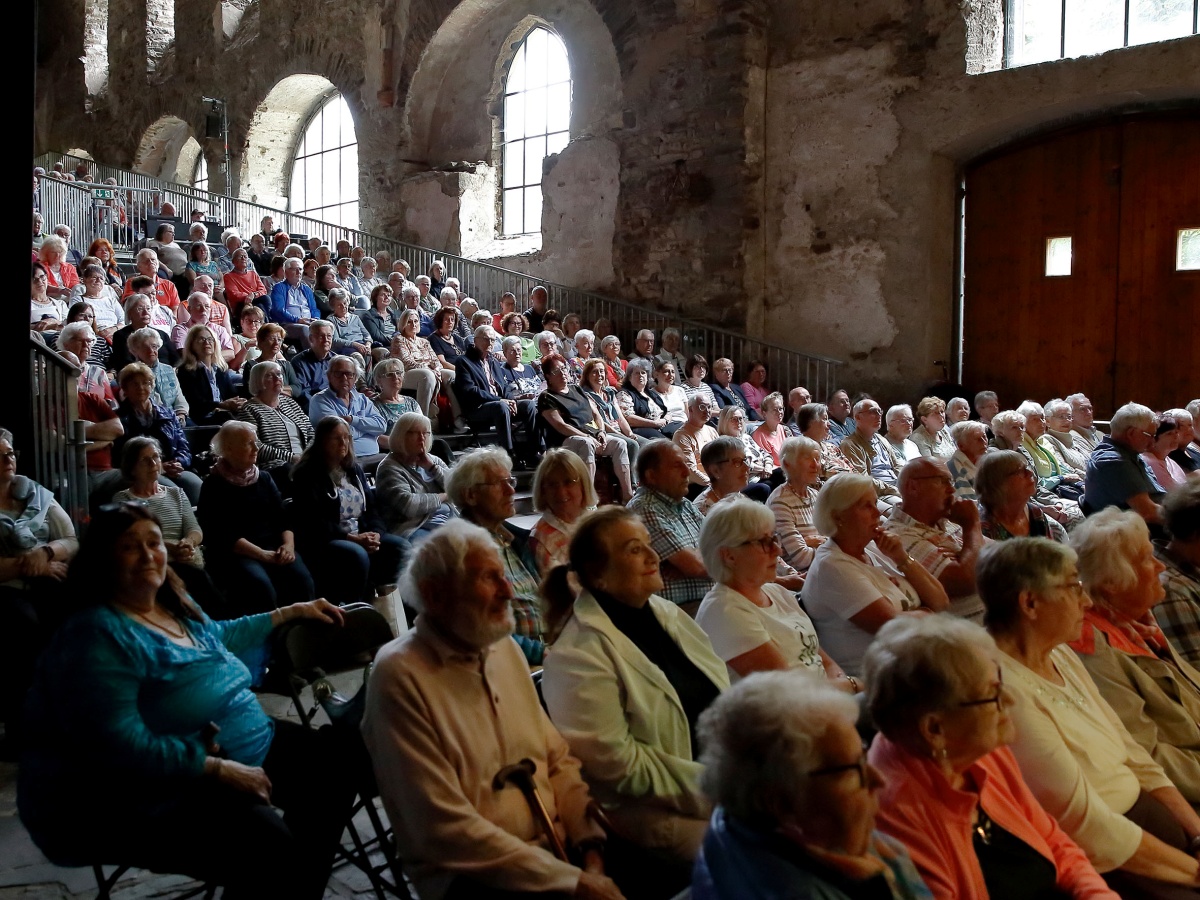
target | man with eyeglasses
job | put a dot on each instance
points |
(1116, 473)
(692, 437)
(939, 531)
(867, 452)
(341, 400)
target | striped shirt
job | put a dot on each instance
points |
(174, 512)
(793, 523)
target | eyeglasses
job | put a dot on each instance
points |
(510, 481)
(766, 544)
(998, 699)
(860, 764)
(1076, 587)
(10, 455)
(736, 460)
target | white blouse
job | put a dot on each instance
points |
(735, 625)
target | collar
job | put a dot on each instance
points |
(653, 494)
(926, 774)
(1121, 633)
(903, 519)
(447, 649)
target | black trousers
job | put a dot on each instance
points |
(1157, 820)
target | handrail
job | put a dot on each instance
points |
(59, 435)
(486, 282)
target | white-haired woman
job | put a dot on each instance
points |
(1008, 429)
(614, 367)
(953, 792)
(755, 625)
(644, 410)
(584, 344)
(771, 434)
(971, 442)
(732, 423)
(957, 410)
(672, 342)
(812, 421)
(350, 335)
(796, 799)
(1004, 487)
(1052, 475)
(931, 436)
(423, 371)
(1077, 757)
(410, 483)
(1152, 689)
(205, 379)
(284, 430)
(61, 277)
(861, 577)
(899, 423)
(388, 378)
(1060, 439)
(793, 503)
(562, 493)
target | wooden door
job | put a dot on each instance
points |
(1120, 190)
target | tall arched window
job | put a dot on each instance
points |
(325, 170)
(200, 174)
(537, 119)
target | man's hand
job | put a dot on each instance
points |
(597, 887)
(965, 514)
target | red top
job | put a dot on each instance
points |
(167, 295)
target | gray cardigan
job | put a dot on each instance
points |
(404, 496)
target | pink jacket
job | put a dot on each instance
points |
(933, 820)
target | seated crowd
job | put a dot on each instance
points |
(1005, 609)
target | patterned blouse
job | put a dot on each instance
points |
(416, 353)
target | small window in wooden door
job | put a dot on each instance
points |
(1058, 257)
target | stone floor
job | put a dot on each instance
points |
(25, 874)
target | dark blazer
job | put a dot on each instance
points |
(470, 380)
(121, 357)
(201, 406)
(314, 514)
(164, 427)
(733, 395)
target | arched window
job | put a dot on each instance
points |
(537, 119)
(200, 174)
(325, 170)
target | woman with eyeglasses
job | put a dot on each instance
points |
(106, 305)
(754, 624)
(812, 421)
(100, 352)
(205, 380)
(46, 313)
(952, 791)
(1008, 428)
(796, 799)
(1005, 486)
(1087, 771)
(562, 493)
(411, 481)
(732, 423)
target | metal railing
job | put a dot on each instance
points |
(787, 367)
(59, 438)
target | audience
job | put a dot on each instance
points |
(841, 425)
(205, 379)
(562, 493)
(957, 410)
(1116, 473)
(671, 396)
(604, 397)
(643, 347)
(813, 422)
(478, 384)
(733, 422)
(1009, 430)
(387, 378)
(754, 388)
(142, 416)
(341, 401)
(770, 434)
(1060, 440)
(1006, 485)
(283, 430)
(867, 453)
(692, 437)
(411, 482)
(1166, 471)
(423, 371)
(726, 393)
(643, 408)
(292, 303)
(671, 345)
(311, 366)
(1052, 474)
(1085, 430)
(724, 460)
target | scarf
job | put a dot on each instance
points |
(239, 477)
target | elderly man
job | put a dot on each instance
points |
(479, 385)
(691, 438)
(726, 392)
(449, 704)
(292, 303)
(538, 298)
(139, 312)
(643, 348)
(368, 428)
(674, 523)
(940, 531)
(797, 397)
(218, 312)
(1082, 423)
(164, 289)
(841, 424)
(482, 487)
(78, 338)
(1116, 473)
(869, 454)
(312, 365)
(429, 300)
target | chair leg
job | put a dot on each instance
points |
(104, 885)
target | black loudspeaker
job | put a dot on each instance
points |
(212, 126)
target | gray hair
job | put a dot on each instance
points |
(1194, 409)
(1180, 415)
(1106, 544)
(1055, 406)
(545, 336)
(410, 290)
(436, 563)
(259, 373)
(133, 300)
(74, 331)
(471, 469)
(144, 253)
(729, 523)
(218, 441)
(995, 468)
(448, 293)
(722, 418)
(762, 737)
(560, 460)
(406, 423)
(607, 341)
(1006, 419)
(320, 323)
(793, 447)
(960, 431)
(293, 262)
(511, 341)
(54, 242)
(1132, 415)
(585, 333)
(921, 665)
(839, 493)
(1007, 568)
(133, 449)
(422, 279)
(488, 331)
(695, 400)
(1031, 408)
(984, 396)
(646, 331)
(670, 332)
(1076, 398)
(384, 366)
(405, 315)
(338, 294)
(862, 404)
(468, 302)
(294, 251)
(898, 410)
(144, 337)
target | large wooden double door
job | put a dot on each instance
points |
(1125, 323)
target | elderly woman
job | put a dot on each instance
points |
(953, 792)
(604, 398)
(643, 408)
(971, 440)
(382, 322)
(812, 421)
(350, 335)
(205, 380)
(861, 578)
(282, 428)
(561, 493)
(771, 434)
(794, 502)
(899, 423)
(672, 396)
(170, 253)
(695, 371)
(957, 410)
(931, 436)
(148, 746)
(573, 422)
(1008, 429)
(1081, 763)
(243, 285)
(583, 344)
(754, 388)
(423, 371)
(1050, 472)
(445, 340)
(61, 276)
(46, 312)
(139, 314)
(338, 528)
(1005, 486)
(1166, 470)
(796, 799)
(140, 415)
(672, 342)
(732, 423)
(625, 682)
(410, 483)
(516, 325)
(1178, 614)
(200, 307)
(1060, 439)
(269, 340)
(614, 367)
(388, 377)
(754, 624)
(99, 352)
(1151, 688)
(102, 297)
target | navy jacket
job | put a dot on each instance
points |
(198, 393)
(164, 427)
(733, 395)
(470, 380)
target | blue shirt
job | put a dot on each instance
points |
(311, 373)
(1115, 474)
(366, 424)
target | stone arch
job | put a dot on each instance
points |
(276, 128)
(167, 148)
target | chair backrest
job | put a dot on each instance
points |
(304, 646)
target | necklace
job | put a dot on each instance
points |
(179, 636)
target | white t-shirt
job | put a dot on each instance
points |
(735, 625)
(839, 587)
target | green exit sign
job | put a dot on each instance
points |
(103, 193)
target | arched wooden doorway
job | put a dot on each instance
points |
(1113, 311)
